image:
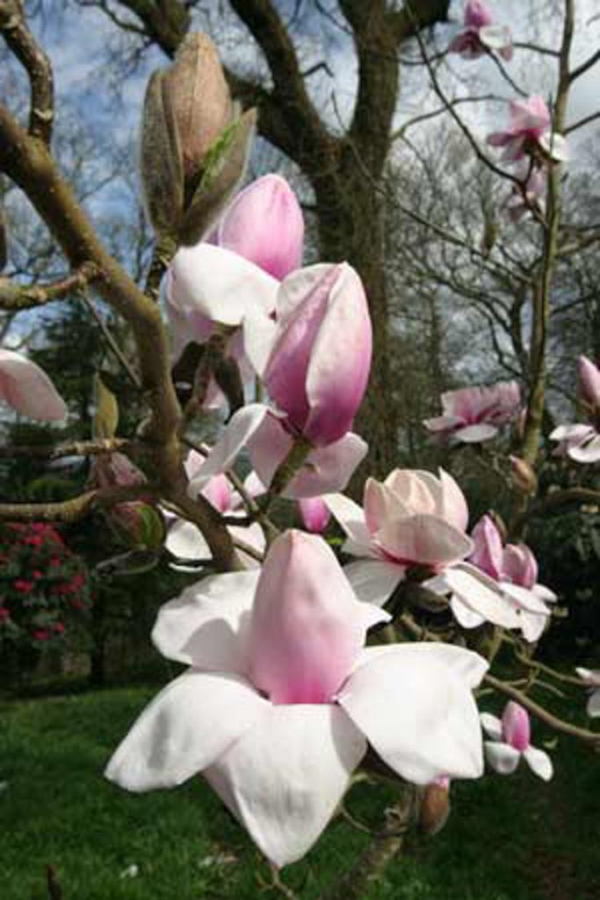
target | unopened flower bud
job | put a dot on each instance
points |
(523, 477)
(435, 806)
(589, 383)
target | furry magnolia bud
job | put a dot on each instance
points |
(523, 477)
(194, 143)
(435, 806)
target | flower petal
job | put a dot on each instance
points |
(284, 779)
(185, 728)
(503, 758)
(417, 713)
(539, 762)
(483, 595)
(219, 284)
(203, 626)
(491, 725)
(350, 517)
(593, 705)
(374, 581)
(186, 541)
(27, 388)
(474, 434)
(238, 432)
(424, 539)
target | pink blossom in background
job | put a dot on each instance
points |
(530, 196)
(589, 383)
(515, 568)
(471, 415)
(314, 513)
(480, 35)
(414, 519)
(186, 542)
(582, 442)
(282, 698)
(529, 133)
(592, 679)
(28, 390)
(511, 741)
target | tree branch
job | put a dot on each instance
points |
(15, 296)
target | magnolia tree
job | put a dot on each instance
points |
(302, 667)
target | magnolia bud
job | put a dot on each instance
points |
(435, 806)
(161, 162)
(198, 95)
(523, 477)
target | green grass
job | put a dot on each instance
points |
(507, 838)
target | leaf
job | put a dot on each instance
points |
(106, 416)
(224, 168)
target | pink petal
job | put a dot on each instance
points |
(381, 504)
(284, 779)
(315, 514)
(27, 388)
(589, 381)
(264, 224)
(477, 14)
(340, 361)
(306, 627)
(529, 115)
(488, 552)
(218, 493)
(519, 565)
(424, 540)
(185, 728)
(516, 729)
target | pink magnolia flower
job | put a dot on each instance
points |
(592, 679)
(27, 388)
(217, 283)
(480, 35)
(515, 568)
(281, 698)
(185, 540)
(582, 442)
(413, 519)
(315, 362)
(264, 224)
(314, 513)
(530, 133)
(511, 740)
(471, 415)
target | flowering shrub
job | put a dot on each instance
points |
(44, 586)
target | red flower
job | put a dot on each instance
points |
(4, 614)
(58, 627)
(41, 634)
(23, 586)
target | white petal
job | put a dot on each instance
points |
(259, 334)
(374, 581)
(469, 666)
(185, 728)
(350, 516)
(555, 145)
(464, 615)
(496, 37)
(474, 434)
(586, 453)
(539, 762)
(482, 595)
(252, 535)
(185, 540)
(284, 779)
(417, 713)
(240, 428)
(532, 626)
(593, 706)
(220, 284)
(328, 469)
(525, 598)
(203, 626)
(491, 725)
(502, 757)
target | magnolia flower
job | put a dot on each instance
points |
(592, 680)
(582, 442)
(414, 519)
(530, 133)
(315, 364)
(314, 513)
(264, 224)
(480, 35)
(282, 698)
(471, 415)
(510, 740)
(185, 540)
(515, 568)
(27, 388)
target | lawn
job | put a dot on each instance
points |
(507, 838)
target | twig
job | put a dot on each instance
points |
(34, 60)
(15, 296)
(118, 353)
(76, 508)
(73, 448)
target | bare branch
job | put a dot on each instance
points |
(15, 296)
(76, 508)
